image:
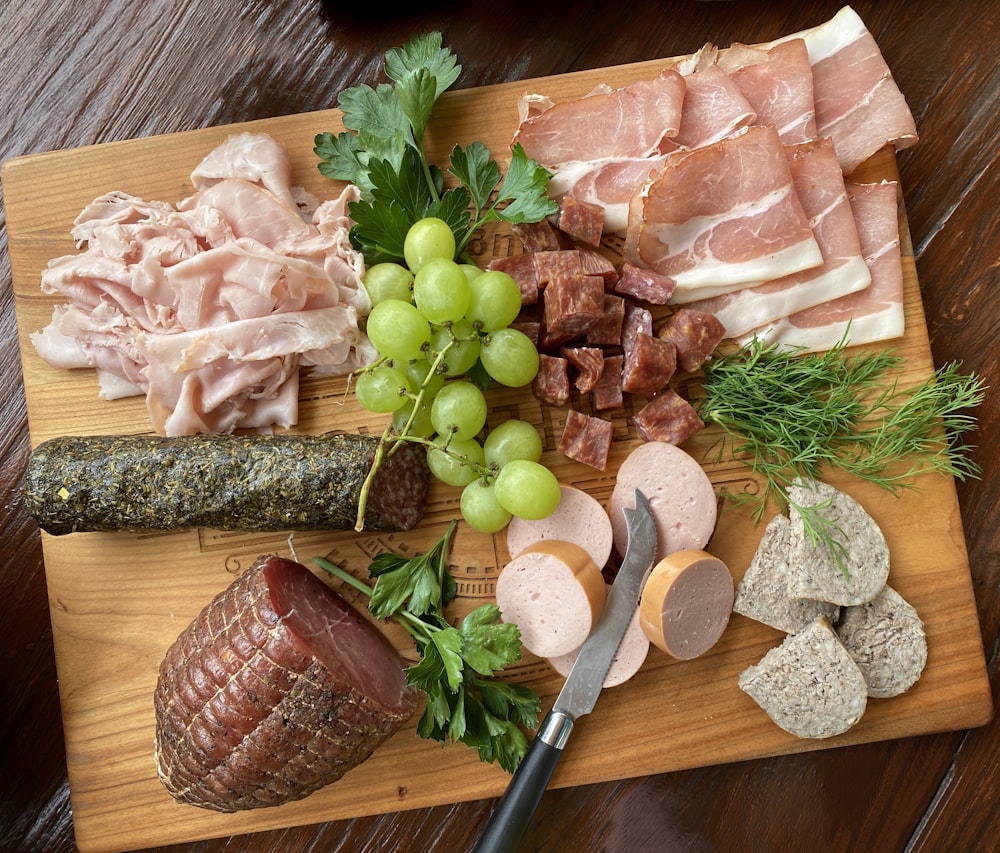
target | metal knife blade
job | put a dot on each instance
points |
(580, 691)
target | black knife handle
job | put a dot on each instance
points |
(507, 824)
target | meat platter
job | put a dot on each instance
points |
(118, 600)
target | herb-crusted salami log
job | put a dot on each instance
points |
(276, 689)
(226, 482)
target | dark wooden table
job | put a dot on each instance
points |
(75, 73)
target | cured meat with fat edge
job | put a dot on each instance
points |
(277, 689)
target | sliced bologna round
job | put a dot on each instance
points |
(679, 492)
(554, 592)
(579, 519)
(686, 603)
(629, 658)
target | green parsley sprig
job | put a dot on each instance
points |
(382, 152)
(787, 414)
(465, 702)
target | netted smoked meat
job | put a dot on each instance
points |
(277, 689)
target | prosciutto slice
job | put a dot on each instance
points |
(858, 103)
(867, 316)
(725, 215)
(821, 189)
(778, 84)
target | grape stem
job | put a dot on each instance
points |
(390, 440)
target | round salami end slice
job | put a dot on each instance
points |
(628, 660)
(579, 519)
(686, 603)
(680, 495)
(554, 593)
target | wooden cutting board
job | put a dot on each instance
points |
(117, 600)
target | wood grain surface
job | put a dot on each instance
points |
(73, 75)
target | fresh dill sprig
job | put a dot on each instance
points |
(788, 414)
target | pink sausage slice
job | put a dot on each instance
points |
(554, 593)
(629, 658)
(579, 518)
(680, 495)
(686, 603)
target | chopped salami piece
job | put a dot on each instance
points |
(645, 284)
(587, 439)
(581, 220)
(607, 393)
(594, 263)
(589, 362)
(551, 383)
(668, 417)
(649, 364)
(537, 236)
(573, 303)
(521, 268)
(532, 329)
(696, 334)
(638, 320)
(608, 330)
(550, 263)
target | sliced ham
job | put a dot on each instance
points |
(858, 103)
(866, 316)
(725, 215)
(820, 186)
(211, 307)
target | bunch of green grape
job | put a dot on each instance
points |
(433, 321)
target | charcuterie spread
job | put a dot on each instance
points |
(687, 290)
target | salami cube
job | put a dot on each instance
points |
(552, 263)
(532, 329)
(537, 236)
(649, 364)
(589, 362)
(607, 331)
(521, 268)
(637, 321)
(587, 439)
(551, 383)
(573, 303)
(696, 334)
(607, 393)
(594, 263)
(668, 417)
(644, 284)
(581, 220)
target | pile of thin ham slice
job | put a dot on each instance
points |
(210, 308)
(728, 177)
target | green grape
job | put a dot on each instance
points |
(471, 271)
(388, 281)
(495, 301)
(456, 462)
(420, 426)
(383, 389)
(459, 409)
(418, 372)
(441, 290)
(480, 507)
(398, 330)
(426, 239)
(464, 350)
(512, 440)
(527, 489)
(509, 357)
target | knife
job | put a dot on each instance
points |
(579, 693)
